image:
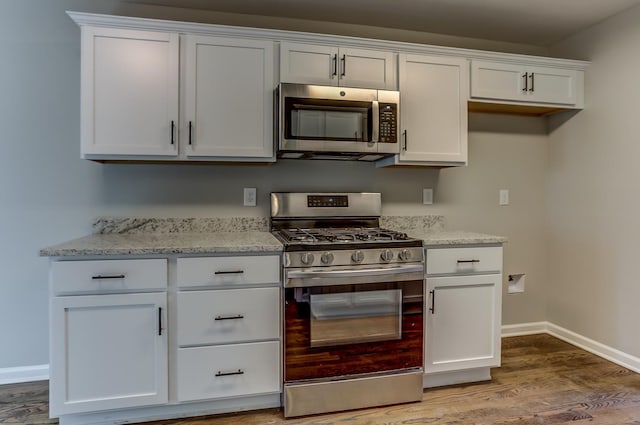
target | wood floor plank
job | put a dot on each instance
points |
(542, 380)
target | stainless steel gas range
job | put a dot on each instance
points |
(354, 304)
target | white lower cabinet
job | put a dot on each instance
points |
(463, 309)
(225, 371)
(107, 352)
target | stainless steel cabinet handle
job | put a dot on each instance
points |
(229, 272)
(237, 316)
(108, 276)
(235, 372)
(173, 127)
(432, 309)
(468, 261)
(335, 65)
(526, 82)
(344, 65)
(532, 80)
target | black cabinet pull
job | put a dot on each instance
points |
(190, 132)
(237, 316)
(526, 82)
(159, 321)
(108, 276)
(173, 127)
(532, 80)
(335, 65)
(468, 261)
(404, 145)
(432, 309)
(344, 65)
(235, 372)
(229, 272)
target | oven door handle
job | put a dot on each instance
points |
(294, 274)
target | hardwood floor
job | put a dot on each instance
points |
(542, 381)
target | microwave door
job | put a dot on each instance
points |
(348, 126)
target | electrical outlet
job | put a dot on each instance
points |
(249, 196)
(504, 196)
(427, 196)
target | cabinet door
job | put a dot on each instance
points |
(463, 317)
(129, 103)
(495, 80)
(229, 86)
(552, 85)
(308, 64)
(512, 82)
(367, 69)
(107, 352)
(433, 109)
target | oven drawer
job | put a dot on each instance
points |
(442, 261)
(224, 316)
(228, 271)
(228, 370)
(108, 276)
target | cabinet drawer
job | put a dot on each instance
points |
(228, 370)
(228, 271)
(224, 316)
(464, 260)
(108, 276)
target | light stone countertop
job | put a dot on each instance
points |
(143, 236)
(165, 243)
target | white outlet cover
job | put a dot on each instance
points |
(504, 196)
(427, 196)
(249, 196)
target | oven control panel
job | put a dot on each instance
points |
(348, 257)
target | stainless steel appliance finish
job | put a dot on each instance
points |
(340, 123)
(354, 304)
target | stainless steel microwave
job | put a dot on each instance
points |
(321, 122)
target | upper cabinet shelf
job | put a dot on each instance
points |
(155, 90)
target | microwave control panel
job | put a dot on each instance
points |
(388, 123)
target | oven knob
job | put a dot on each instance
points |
(387, 255)
(357, 257)
(405, 255)
(306, 258)
(326, 258)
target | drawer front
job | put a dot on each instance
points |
(224, 316)
(228, 370)
(228, 271)
(108, 276)
(464, 260)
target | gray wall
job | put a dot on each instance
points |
(49, 195)
(593, 192)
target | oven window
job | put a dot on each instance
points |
(353, 317)
(313, 119)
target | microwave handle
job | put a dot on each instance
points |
(375, 118)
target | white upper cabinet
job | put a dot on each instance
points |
(523, 83)
(433, 111)
(228, 97)
(129, 103)
(334, 66)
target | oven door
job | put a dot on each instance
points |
(341, 323)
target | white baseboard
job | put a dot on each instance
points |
(614, 355)
(14, 375)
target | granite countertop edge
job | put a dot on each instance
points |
(222, 242)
